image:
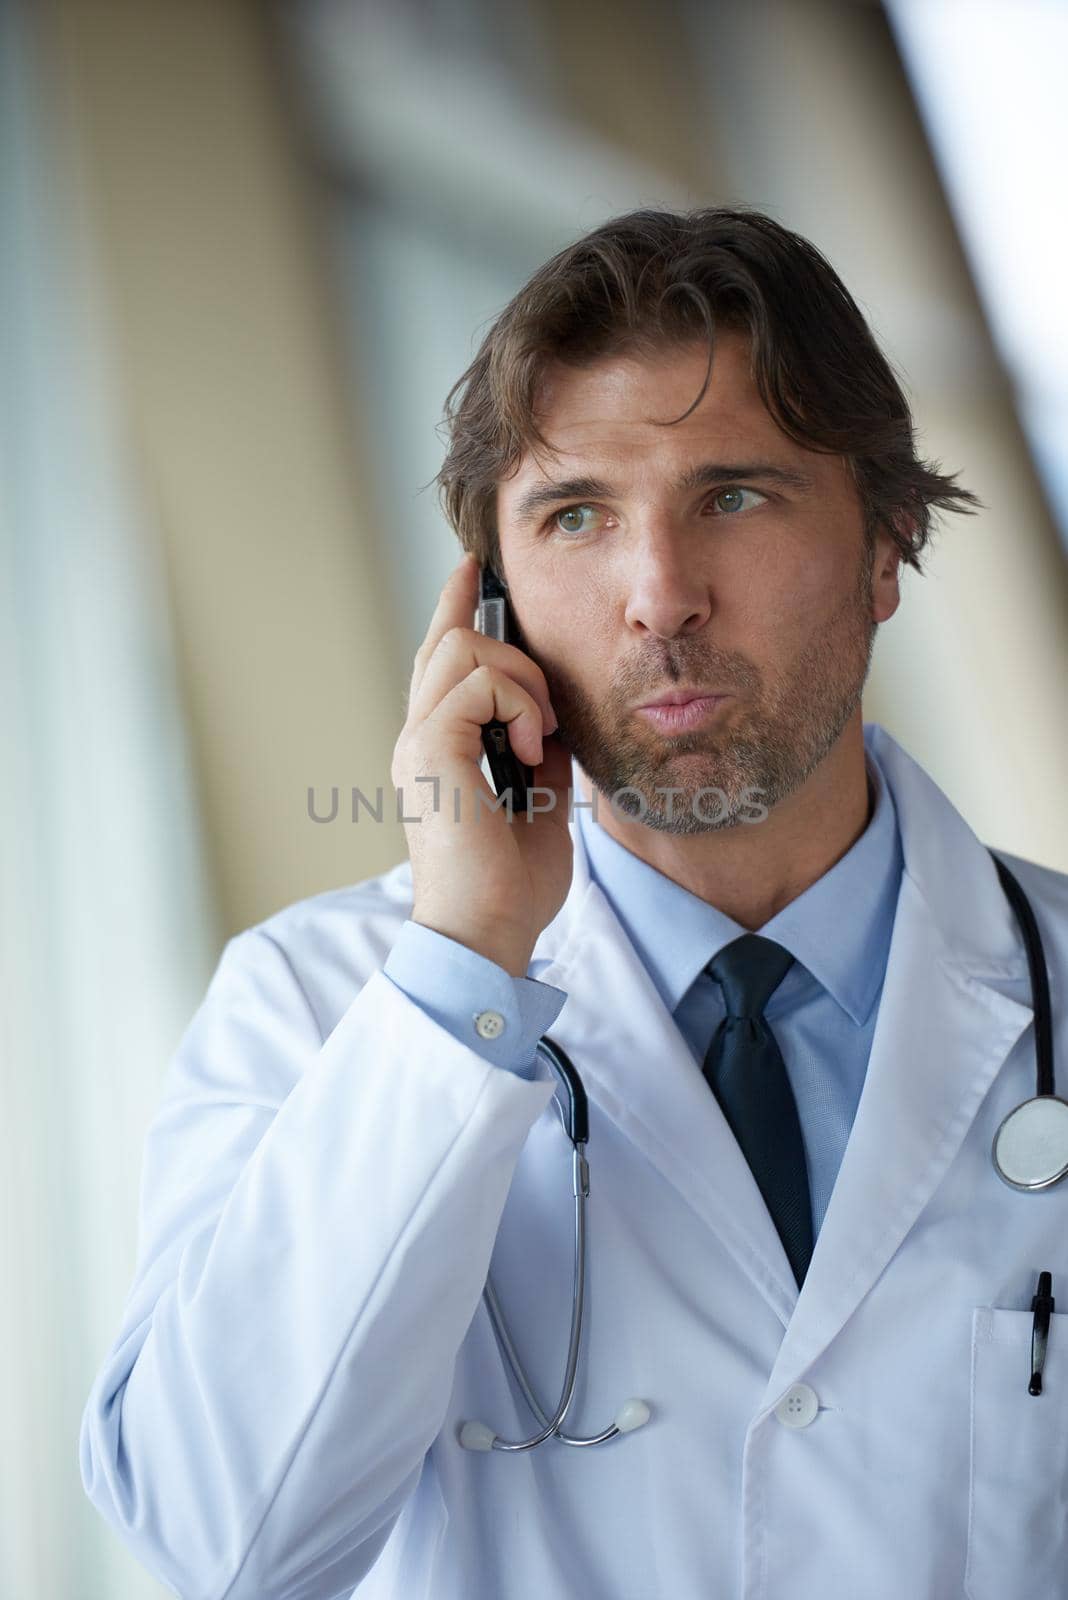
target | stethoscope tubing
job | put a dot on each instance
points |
(1039, 975)
(549, 1425)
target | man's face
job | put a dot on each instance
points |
(661, 573)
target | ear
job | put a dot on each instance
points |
(886, 570)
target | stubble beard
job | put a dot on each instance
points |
(765, 743)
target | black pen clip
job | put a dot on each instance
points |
(1042, 1305)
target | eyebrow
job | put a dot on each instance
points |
(547, 494)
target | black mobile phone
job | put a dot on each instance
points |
(494, 619)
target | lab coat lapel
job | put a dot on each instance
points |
(944, 1029)
(640, 1073)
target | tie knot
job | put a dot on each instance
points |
(749, 971)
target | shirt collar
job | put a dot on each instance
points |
(676, 934)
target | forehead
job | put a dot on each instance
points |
(609, 416)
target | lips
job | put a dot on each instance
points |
(679, 717)
(681, 697)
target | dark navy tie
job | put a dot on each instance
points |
(746, 1072)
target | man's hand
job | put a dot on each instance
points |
(488, 882)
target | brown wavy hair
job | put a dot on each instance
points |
(655, 280)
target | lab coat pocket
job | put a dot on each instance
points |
(1018, 1508)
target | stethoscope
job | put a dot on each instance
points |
(1030, 1152)
(1030, 1149)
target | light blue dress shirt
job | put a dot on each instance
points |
(822, 1014)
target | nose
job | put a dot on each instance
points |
(667, 592)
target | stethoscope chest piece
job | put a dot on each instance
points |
(1031, 1145)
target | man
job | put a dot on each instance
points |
(780, 960)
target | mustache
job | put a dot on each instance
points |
(660, 667)
(653, 675)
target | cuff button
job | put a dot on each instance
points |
(489, 1024)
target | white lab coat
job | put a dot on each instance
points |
(278, 1417)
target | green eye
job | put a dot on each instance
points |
(570, 520)
(722, 494)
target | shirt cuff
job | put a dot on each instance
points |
(483, 1006)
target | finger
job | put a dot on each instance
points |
(555, 769)
(459, 652)
(455, 609)
(485, 694)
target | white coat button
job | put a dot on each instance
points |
(489, 1024)
(798, 1406)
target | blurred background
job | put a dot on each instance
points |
(245, 249)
